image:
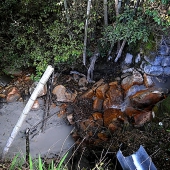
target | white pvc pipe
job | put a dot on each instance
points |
(27, 108)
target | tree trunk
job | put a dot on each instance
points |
(105, 13)
(85, 36)
(67, 13)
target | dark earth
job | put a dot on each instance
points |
(153, 136)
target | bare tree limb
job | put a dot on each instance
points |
(91, 67)
(85, 36)
(67, 12)
(105, 13)
(120, 51)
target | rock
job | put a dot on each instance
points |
(166, 61)
(167, 71)
(70, 119)
(128, 59)
(12, 94)
(62, 95)
(36, 105)
(135, 79)
(142, 65)
(42, 92)
(153, 70)
(126, 75)
(13, 71)
(128, 70)
(138, 59)
(163, 50)
(112, 115)
(101, 90)
(146, 98)
(148, 80)
(102, 136)
(63, 110)
(112, 127)
(2, 95)
(83, 88)
(91, 92)
(131, 112)
(82, 81)
(97, 104)
(76, 77)
(134, 89)
(114, 96)
(142, 118)
(92, 125)
(155, 61)
(97, 117)
(4, 80)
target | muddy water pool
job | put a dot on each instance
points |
(55, 140)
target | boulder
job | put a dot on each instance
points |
(142, 118)
(145, 98)
(138, 117)
(97, 117)
(131, 112)
(97, 104)
(13, 94)
(63, 95)
(112, 115)
(128, 59)
(167, 71)
(133, 89)
(91, 92)
(135, 79)
(153, 70)
(166, 61)
(137, 59)
(163, 50)
(148, 80)
(114, 96)
(36, 105)
(154, 60)
(82, 81)
(101, 90)
(102, 136)
(91, 126)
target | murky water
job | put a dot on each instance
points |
(55, 140)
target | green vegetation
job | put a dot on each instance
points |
(38, 33)
(18, 163)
